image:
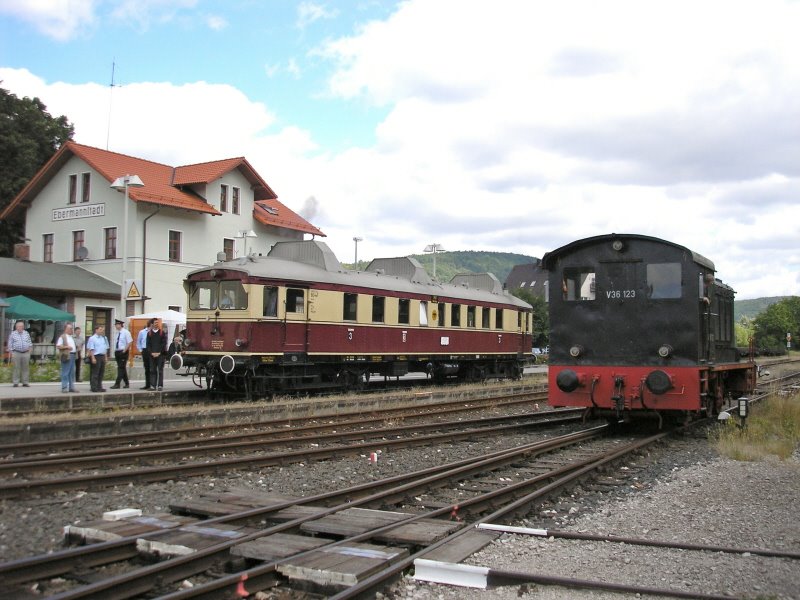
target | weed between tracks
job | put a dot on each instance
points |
(772, 429)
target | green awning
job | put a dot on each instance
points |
(22, 307)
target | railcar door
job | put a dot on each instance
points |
(295, 319)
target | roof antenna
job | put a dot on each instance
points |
(110, 99)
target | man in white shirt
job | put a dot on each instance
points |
(66, 349)
(122, 348)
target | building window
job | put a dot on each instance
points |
(223, 198)
(111, 242)
(77, 244)
(350, 312)
(174, 246)
(455, 315)
(378, 304)
(227, 247)
(174, 307)
(235, 200)
(73, 189)
(47, 249)
(86, 180)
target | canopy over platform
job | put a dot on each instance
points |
(22, 307)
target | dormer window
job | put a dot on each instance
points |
(223, 198)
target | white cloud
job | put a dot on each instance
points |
(309, 12)
(519, 127)
(216, 22)
(59, 19)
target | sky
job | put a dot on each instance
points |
(512, 125)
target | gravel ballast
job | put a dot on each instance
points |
(681, 491)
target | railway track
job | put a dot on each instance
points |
(487, 488)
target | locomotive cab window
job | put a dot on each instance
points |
(664, 280)
(578, 284)
(349, 312)
(203, 295)
(232, 295)
(295, 301)
(270, 301)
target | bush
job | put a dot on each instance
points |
(772, 429)
(50, 370)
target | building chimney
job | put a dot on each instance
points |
(22, 252)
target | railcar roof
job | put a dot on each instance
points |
(312, 261)
(548, 260)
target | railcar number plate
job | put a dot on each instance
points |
(620, 294)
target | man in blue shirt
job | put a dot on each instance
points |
(122, 347)
(97, 348)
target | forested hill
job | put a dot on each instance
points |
(751, 308)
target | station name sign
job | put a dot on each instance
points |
(79, 212)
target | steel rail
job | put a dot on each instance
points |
(203, 432)
(143, 580)
(120, 456)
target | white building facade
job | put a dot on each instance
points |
(180, 219)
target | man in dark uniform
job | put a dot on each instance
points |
(157, 347)
(141, 346)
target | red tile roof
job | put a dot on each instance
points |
(275, 213)
(211, 171)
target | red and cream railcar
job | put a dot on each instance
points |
(295, 319)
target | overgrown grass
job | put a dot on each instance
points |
(50, 370)
(772, 430)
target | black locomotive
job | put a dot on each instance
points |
(641, 327)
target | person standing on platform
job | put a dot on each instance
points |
(157, 346)
(122, 349)
(19, 346)
(66, 349)
(80, 341)
(141, 346)
(97, 348)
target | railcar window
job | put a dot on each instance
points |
(378, 306)
(498, 318)
(232, 295)
(403, 311)
(663, 280)
(204, 295)
(295, 300)
(578, 284)
(270, 301)
(441, 314)
(485, 312)
(349, 312)
(519, 320)
(423, 313)
(455, 315)
(470, 316)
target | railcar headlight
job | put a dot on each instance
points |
(576, 351)
(665, 351)
(658, 382)
(568, 380)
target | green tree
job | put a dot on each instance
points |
(29, 136)
(771, 326)
(541, 317)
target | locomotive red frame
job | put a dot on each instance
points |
(296, 319)
(640, 326)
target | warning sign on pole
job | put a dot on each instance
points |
(133, 286)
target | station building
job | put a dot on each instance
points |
(177, 219)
